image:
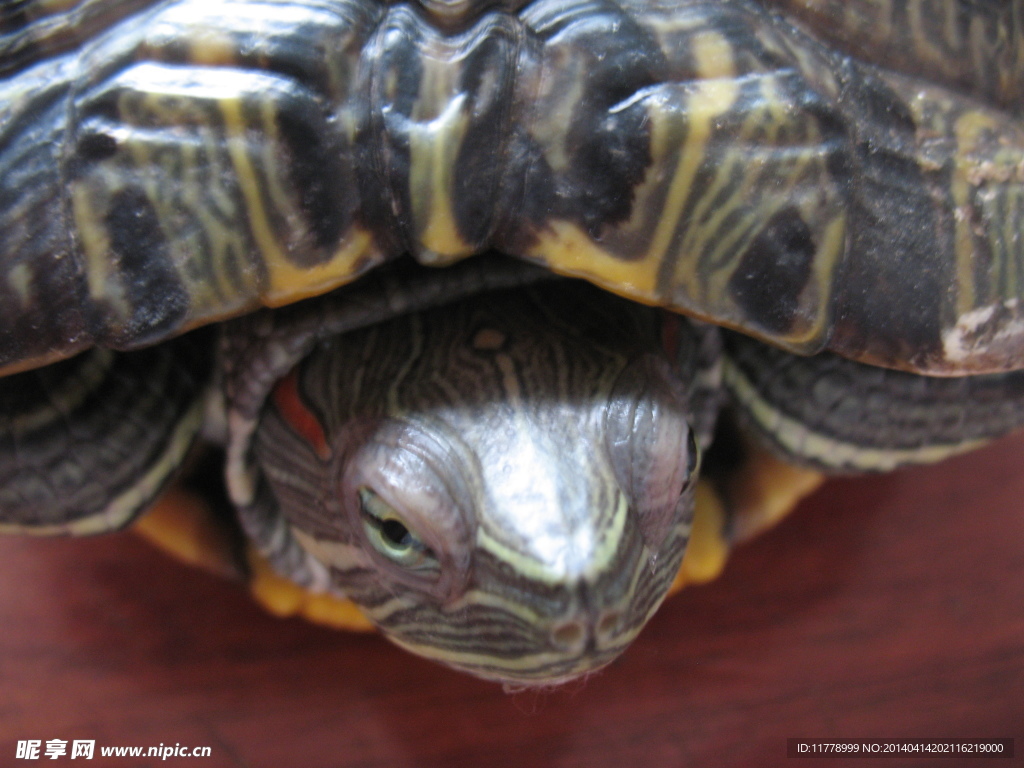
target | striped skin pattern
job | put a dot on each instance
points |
(89, 443)
(525, 439)
(816, 173)
(839, 416)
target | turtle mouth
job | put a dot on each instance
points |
(548, 668)
(549, 675)
(495, 644)
(577, 648)
(501, 639)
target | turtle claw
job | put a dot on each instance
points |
(738, 502)
(183, 524)
(187, 523)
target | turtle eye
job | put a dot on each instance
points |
(391, 536)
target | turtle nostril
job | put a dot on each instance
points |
(568, 634)
(609, 623)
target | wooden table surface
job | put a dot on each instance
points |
(886, 607)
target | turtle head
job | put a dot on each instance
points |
(498, 488)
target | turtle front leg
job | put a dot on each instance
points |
(89, 443)
(843, 417)
(800, 417)
(193, 521)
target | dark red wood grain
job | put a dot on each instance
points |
(885, 607)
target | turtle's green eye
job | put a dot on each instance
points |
(390, 535)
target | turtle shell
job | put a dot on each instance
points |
(818, 174)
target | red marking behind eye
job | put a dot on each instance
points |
(299, 417)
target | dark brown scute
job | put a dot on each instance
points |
(138, 246)
(774, 271)
(899, 263)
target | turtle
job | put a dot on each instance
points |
(465, 289)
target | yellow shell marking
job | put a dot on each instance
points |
(975, 168)
(433, 147)
(19, 277)
(569, 250)
(96, 246)
(703, 256)
(287, 282)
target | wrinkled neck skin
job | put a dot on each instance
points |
(502, 485)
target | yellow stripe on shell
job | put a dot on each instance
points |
(290, 283)
(711, 99)
(967, 130)
(679, 146)
(985, 152)
(287, 282)
(433, 148)
(100, 269)
(568, 250)
(19, 278)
